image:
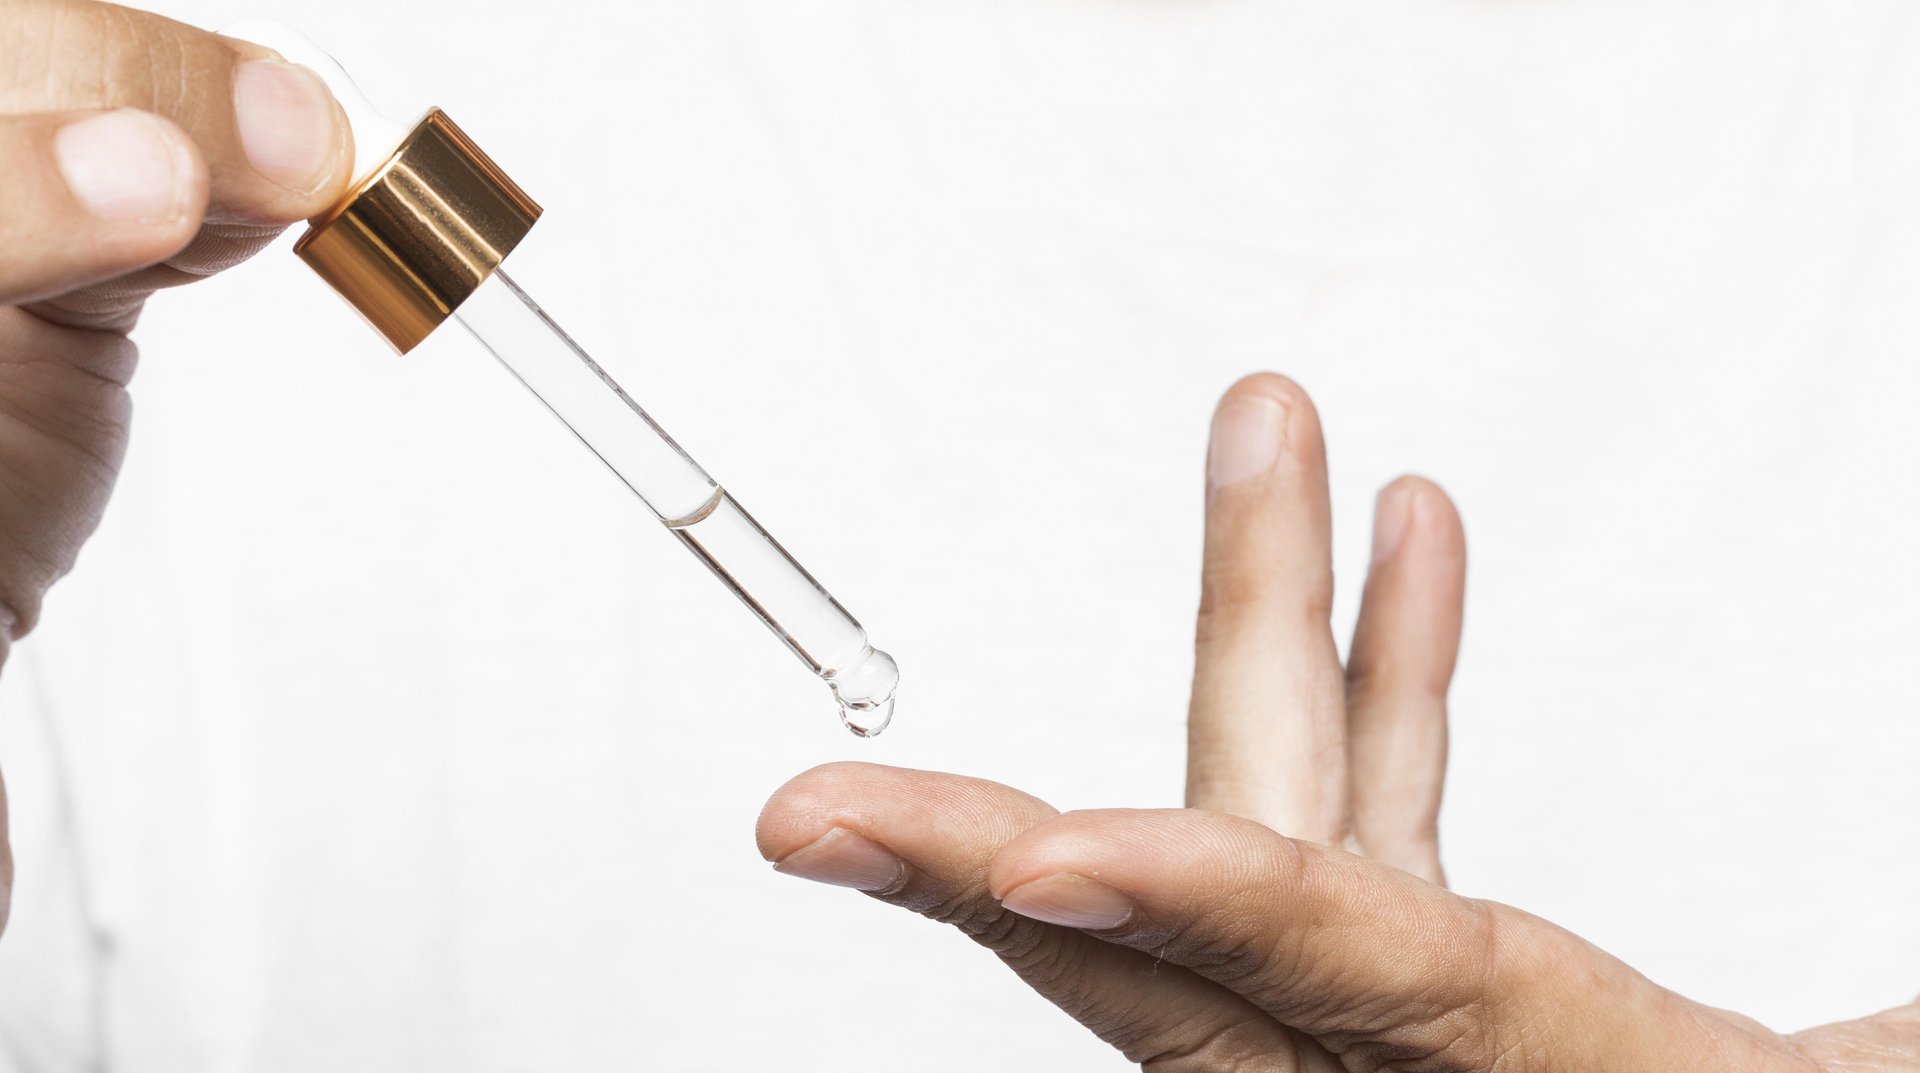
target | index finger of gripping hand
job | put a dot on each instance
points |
(276, 144)
(91, 196)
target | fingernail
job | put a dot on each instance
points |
(1070, 901)
(1392, 515)
(286, 122)
(1246, 438)
(122, 166)
(843, 858)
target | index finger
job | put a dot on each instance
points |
(1266, 738)
(277, 145)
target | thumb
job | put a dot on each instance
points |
(92, 196)
(1385, 970)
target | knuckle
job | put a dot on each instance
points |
(57, 497)
(1388, 682)
(1237, 600)
(964, 906)
(1044, 957)
(217, 247)
(140, 63)
(1448, 1026)
(1230, 942)
(20, 597)
(977, 917)
(77, 55)
(25, 36)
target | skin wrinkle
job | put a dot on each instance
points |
(1307, 885)
(1322, 758)
(49, 83)
(1143, 1037)
(111, 361)
(56, 503)
(32, 420)
(115, 305)
(106, 391)
(101, 88)
(1220, 1048)
(1864, 1046)
(18, 600)
(1033, 951)
(1225, 965)
(1735, 1039)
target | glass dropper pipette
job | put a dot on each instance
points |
(687, 501)
(420, 239)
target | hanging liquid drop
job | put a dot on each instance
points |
(794, 606)
(865, 692)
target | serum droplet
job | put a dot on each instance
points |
(867, 722)
(865, 692)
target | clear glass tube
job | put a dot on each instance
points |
(686, 500)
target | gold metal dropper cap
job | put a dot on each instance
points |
(419, 235)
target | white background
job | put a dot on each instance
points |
(380, 730)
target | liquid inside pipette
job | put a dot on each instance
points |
(795, 607)
(686, 500)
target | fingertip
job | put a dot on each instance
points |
(1443, 537)
(1426, 492)
(196, 181)
(340, 173)
(138, 173)
(1415, 504)
(914, 811)
(1274, 387)
(337, 173)
(1265, 425)
(1393, 513)
(294, 136)
(193, 175)
(93, 195)
(845, 858)
(806, 807)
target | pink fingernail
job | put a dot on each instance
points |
(286, 121)
(1070, 901)
(122, 166)
(843, 858)
(1392, 517)
(1247, 430)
